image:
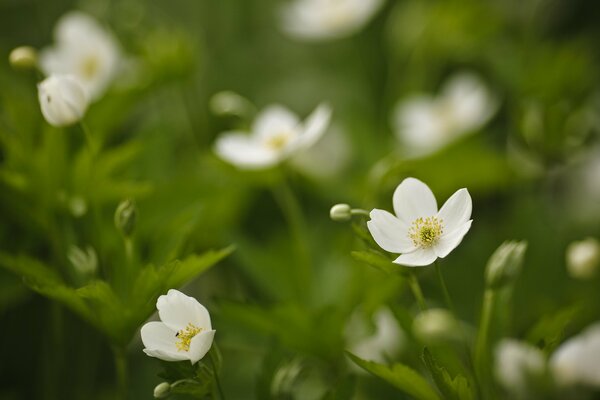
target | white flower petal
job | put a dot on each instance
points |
(470, 101)
(200, 345)
(275, 120)
(418, 258)
(516, 363)
(390, 233)
(177, 310)
(576, 361)
(63, 100)
(315, 126)
(456, 210)
(245, 152)
(449, 241)
(418, 125)
(160, 340)
(413, 199)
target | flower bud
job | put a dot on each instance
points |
(62, 99)
(229, 103)
(85, 262)
(162, 390)
(23, 58)
(125, 217)
(505, 264)
(436, 325)
(340, 212)
(583, 258)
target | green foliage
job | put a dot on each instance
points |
(457, 388)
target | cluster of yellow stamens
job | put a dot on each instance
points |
(90, 67)
(185, 336)
(425, 231)
(278, 141)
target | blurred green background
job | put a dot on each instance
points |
(533, 181)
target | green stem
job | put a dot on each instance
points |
(444, 288)
(292, 211)
(413, 283)
(482, 351)
(216, 375)
(358, 211)
(120, 355)
(88, 137)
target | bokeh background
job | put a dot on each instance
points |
(533, 171)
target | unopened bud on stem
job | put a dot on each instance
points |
(23, 58)
(162, 390)
(505, 264)
(125, 217)
(583, 258)
(343, 212)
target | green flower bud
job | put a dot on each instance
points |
(341, 212)
(23, 58)
(125, 217)
(583, 258)
(162, 390)
(505, 264)
(84, 261)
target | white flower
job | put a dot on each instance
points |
(583, 258)
(85, 49)
(437, 325)
(577, 361)
(62, 99)
(276, 134)
(517, 365)
(424, 123)
(419, 231)
(326, 19)
(185, 332)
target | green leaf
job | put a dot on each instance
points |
(550, 330)
(377, 260)
(181, 272)
(458, 388)
(401, 376)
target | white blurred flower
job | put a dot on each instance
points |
(327, 158)
(577, 361)
(276, 134)
(376, 344)
(425, 123)
(437, 325)
(583, 258)
(419, 231)
(517, 365)
(326, 19)
(84, 49)
(62, 99)
(185, 332)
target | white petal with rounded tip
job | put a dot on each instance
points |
(158, 336)
(315, 126)
(418, 258)
(449, 241)
(177, 310)
(417, 124)
(244, 151)
(576, 360)
(413, 199)
(63, 100)
(390, 233)
(456, 210)
(200, 345)
(274, 120)
(471, 102)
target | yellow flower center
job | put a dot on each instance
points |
(89, 67)
(185, 336)
(278, 141)
(424, 232)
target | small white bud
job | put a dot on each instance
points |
(505, 264)
(436, 325)
(341, 212)
(23, 58)
(63, 100)
(162, 390)
(583, 258)
(230, 103)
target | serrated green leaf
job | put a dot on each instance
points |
(401, 376)
(457, 388)
(377, 260)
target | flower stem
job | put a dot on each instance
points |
(216, 375)
(292, 211)
(88, 137)
(413, 282)
(444, 288)
(359, 211)
(483, 338)
(120, 355)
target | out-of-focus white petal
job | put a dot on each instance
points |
(390, 233)
(471, 103)
(200, 345)
(244, 151)
(449, 241)
(315, 126)
(516, 363)
(418, 258)
(456, 210)
(413, 199)
(177, 310)
(418, 125)
(275, 120)
(63, 100)
(577, 361)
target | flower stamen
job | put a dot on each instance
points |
(185, 336)
(424, 232)
(278, 141)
